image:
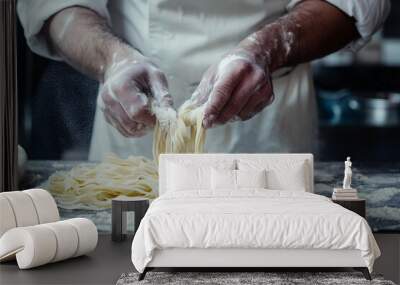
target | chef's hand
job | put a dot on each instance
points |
(238, 87)
(132, 87)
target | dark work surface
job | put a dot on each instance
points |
(103, 266)
(378, 183)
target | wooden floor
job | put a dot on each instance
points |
(102, 266)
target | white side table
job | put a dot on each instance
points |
(120, 206)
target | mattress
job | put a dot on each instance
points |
(250, 219)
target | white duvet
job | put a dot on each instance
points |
(250, 219)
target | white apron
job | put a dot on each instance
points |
(184, 38)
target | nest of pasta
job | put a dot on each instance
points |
(92, 187)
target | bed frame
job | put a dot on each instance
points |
(242, 259)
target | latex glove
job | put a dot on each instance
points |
(132, 87)
(238, 87)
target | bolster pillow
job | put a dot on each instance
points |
(40, 244)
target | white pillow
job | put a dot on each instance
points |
(185, 174)
(226, 179)
(182, 177)
(251, 178)
(281, 174)
(223, 179)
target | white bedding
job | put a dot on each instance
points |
(252, 218)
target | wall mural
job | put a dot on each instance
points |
(100, 99)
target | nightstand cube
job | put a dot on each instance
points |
(355, 205)
(120, 206)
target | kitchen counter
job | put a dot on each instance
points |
(378, 183)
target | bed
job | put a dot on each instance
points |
(246, 211)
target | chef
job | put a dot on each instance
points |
(245, 61)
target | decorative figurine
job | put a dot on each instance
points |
(347, 174)
(346, 193)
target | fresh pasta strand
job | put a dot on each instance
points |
(180, 132)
